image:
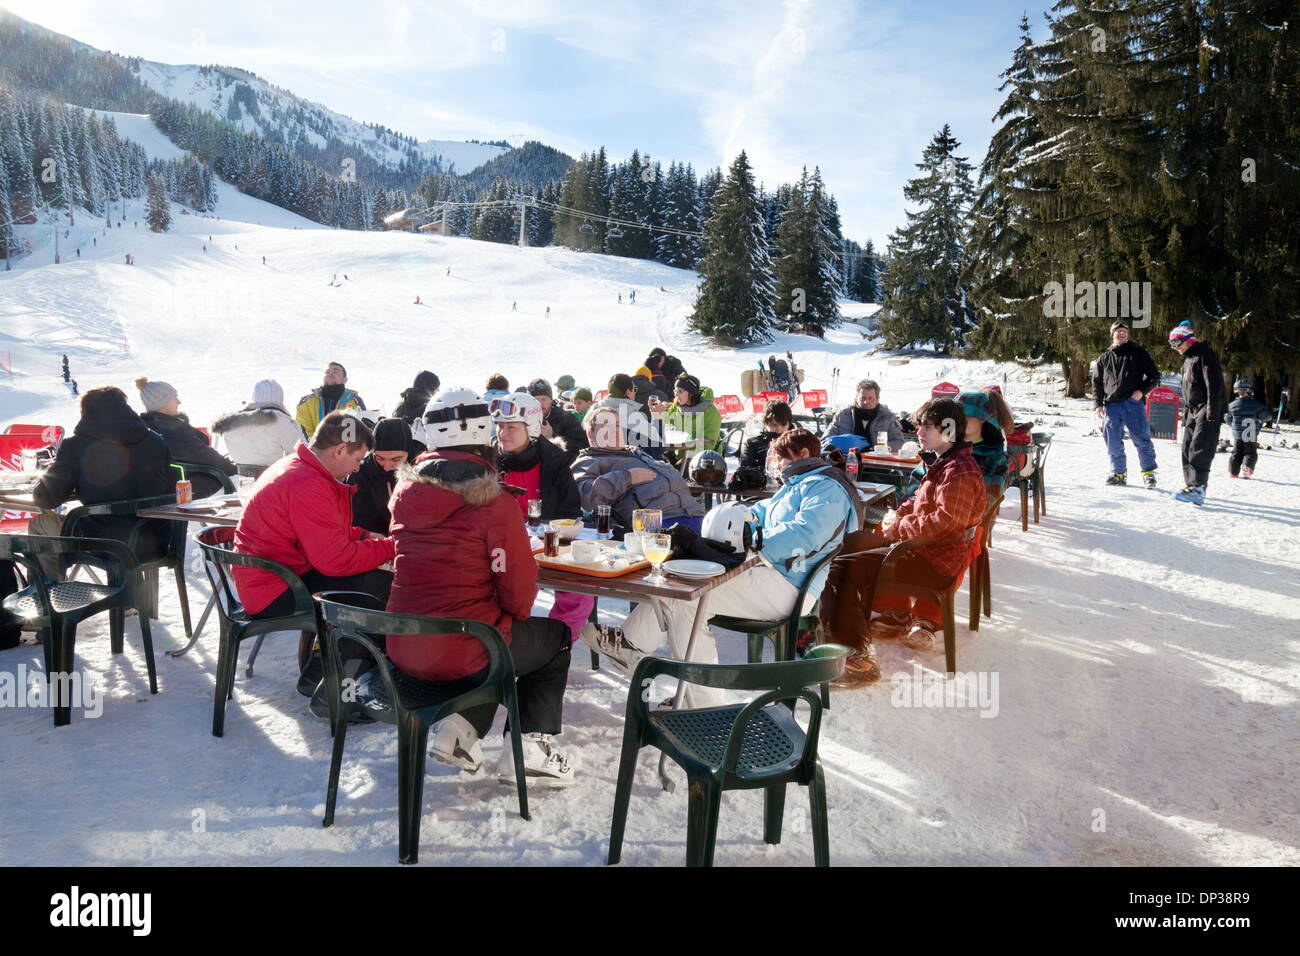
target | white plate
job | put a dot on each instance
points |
(695, 570)
(202, 504)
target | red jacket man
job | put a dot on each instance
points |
(300, 515)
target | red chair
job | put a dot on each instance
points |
(53, 438)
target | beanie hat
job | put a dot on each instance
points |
(565, 382)
(426, 382)
(540, 386)
(1182, 333)
(1119, 324)
(643, 371)
(582, 393)
(268, 392)
(392, 434)
(154, 394)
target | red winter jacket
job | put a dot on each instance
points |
(301, 516)
(462, 552)
(949, 500)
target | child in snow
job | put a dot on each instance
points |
(1246, 416)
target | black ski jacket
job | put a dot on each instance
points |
(1203, 395)
(1122, 370)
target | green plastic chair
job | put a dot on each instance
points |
(55, 608)
(1043, 444)
(737, 747)
(217, 545)
(412, 705)
(207, 471)
(784, 632)
(171, 533)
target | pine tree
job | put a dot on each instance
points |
(159, 215)
(866, 276)
(734, 306)
(925, 298)
(6, 217)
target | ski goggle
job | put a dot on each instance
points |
(507, 408)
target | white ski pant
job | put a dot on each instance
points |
(760, 592)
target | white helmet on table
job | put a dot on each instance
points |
(731, 523)
(456, 416)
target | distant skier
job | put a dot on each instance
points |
(417, 300)
(205, 247)
(662, 289)
(631, 296)
(94, 241)
(514, 306)
(448, 270)
(548, 311)
(620, 298)
(345, 277)
(74, 386)
(263, 260)
(78, 253)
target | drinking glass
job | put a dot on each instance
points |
(656, 548)
(647, 519)
(602, 521)
(534, 515)
(882, 441)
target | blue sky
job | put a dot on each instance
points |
(858, 88)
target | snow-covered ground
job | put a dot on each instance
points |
(1145, 652)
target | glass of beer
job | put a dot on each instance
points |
(534, 514)
(551, 542)
(656, 548)
(602, 520)
(649, 520)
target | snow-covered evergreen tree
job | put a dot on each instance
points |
(734, 306)
(159, 215)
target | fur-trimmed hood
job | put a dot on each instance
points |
(250, 416)
(444, 481)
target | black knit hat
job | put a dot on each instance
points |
(540, 386)
(691, 384)
(427, 382)
(392, 434)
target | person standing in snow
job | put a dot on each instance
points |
(1246, 416)
(331, 396)
(1124, 375)
(1203, 410)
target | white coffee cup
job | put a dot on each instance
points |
(585, 552)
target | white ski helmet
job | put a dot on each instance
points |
(731, 523)
(518, 407)
(456, 416)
